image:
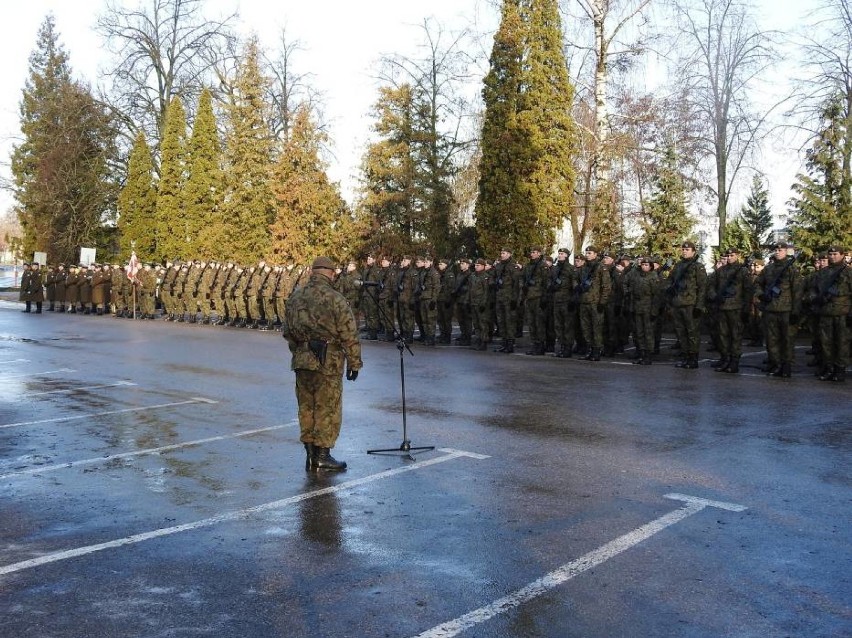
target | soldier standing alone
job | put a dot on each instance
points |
(320, 329)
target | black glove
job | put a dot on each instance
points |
(481, 308)
(601, 307)
(432, 305)
(412, 306)
(794, 318)
(697, 312)
(390, 303)
(351, 375)
(513, 305)
(448, 304)
(542, 303)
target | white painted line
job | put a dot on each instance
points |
(147, 452)
(35, 374)
(241, 514)
(576, 567)
(99, 414)
(16, 361)
(86, 387)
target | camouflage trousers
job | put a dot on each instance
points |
(320, 398)
(564, 323)
(686, 329)
(730, 333)
(780, 337)
(463, 314)
(834, 341)
(482, 323)
(506, 317)
(370, 305)
(429, 317)
(535, 319)
(445, 317)
(591, 324)
(643, 331)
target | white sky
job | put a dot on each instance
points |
(342, 41)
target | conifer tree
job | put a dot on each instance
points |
(248, 207)
(203, 192)
(666, 221)
(821, 209)
(171, 229)
(311, 216)
(526, 177)
(756, 216)
(137, 204)
(61, 169)
(389, 172)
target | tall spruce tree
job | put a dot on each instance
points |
(390, 190)
(756, 216)
(821, 209)
(172, 239)
(666, 219)
(62, 180)
(311, 216)
(247, 207)
(528, 136)
(202, 195)
(137, 204)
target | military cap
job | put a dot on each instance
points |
(591, 249)
(732, 251)
(567, 251)
(446, 262)
(322, 262)
(656, 259)
(405, 257)
(580, 256)
(506, 249)
(464, 260)
(835, 248)
(823, 255)
(419, 258)
(481, 262)
(688, 244)
(535, 249)
(780, 244)
(647, 260)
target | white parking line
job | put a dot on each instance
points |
(147, 452)
(98, 414)
(34, 374)
(576, 567)
(85, 387)
(449, 455)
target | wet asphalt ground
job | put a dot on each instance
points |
(152, 485)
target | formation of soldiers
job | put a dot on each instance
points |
(590, 306)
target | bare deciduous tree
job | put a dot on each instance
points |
(164, 48)
(721, 55)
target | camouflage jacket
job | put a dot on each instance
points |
(317, 311)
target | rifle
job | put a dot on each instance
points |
(728, 289)
(831, 290)
(676, 287)
(585, 283)
(775, 289)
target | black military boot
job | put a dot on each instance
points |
(839, 374)
(733, 365)
(646, 360)
(784, 371)
(51, 309)
(825, 373)
(533, 351)
(770, 368)
(310, 453)
(641, 357)
(324, 461)
(596, 354)
(723, 364)
(27, 308)
(510, 346)
(502, 347)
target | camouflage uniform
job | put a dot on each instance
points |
(686, 296)
(561, 283)
(732, 298)
(480, 304)
(407, 279)
(779, 290)
(534, 282)
(505, 279)
(316, 315)
(460, 297)
(446, 301)
(835, 304)
(594, 289)
(429, 287)
(642, 293)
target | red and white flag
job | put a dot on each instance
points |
(133, 267)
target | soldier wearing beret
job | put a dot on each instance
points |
(480, 297)
(686, 297)
(534, 287)
(835, 304)
(506, 281)
(594, 289)
(460, 299)
(322, 335)
(446, 302)
(778, 290)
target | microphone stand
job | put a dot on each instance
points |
(405, 449)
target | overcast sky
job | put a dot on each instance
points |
(342, 41)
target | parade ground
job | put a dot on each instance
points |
(152, 484)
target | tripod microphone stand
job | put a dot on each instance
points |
(405, 449)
